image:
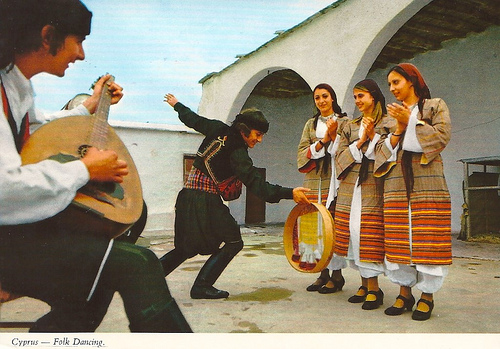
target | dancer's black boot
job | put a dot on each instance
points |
(203, 286)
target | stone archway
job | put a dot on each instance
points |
(348, 41)
(285, 98)
(327, 47)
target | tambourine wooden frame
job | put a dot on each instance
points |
(329, 238)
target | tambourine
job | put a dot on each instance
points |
(308, 237)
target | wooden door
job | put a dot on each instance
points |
(255, 209)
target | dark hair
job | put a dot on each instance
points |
(370, 86)
(241, 127)
(21, 22)
(336, 107)
(413, 75)
(250, 119)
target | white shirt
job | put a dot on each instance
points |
(410, 141)
(321, 130)
(33, 192)
(357, 154)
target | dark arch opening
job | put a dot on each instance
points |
(281, 84)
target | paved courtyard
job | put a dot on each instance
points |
(267, 296)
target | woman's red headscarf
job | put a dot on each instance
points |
(412, 74)
(421, 88)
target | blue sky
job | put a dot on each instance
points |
(158, 46)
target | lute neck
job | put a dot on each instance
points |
(99, 129)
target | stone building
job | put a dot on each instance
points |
(455, 44)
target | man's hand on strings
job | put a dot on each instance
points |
(104, 165)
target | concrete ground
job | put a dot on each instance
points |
(268, 296)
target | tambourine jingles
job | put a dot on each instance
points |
(322, 240)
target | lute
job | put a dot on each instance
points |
(106, 207)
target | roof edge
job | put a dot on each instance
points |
(278, 37)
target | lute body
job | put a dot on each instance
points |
(110, 208)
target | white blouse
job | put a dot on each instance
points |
(410, 141)
(321, 130)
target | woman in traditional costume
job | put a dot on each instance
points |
(417, 206)
(318, 144)
(359, 219)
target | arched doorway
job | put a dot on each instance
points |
(285, 98)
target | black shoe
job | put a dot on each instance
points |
(207, 292)
(337, 286)
(420, 315)
(408, 305)
(379, 300)
(357, 298)
(317, 284)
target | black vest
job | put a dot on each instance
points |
(220, 162)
